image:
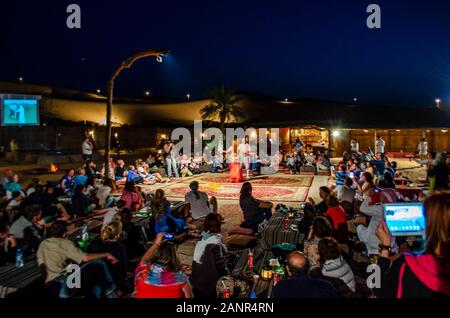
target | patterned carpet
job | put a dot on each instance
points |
(232, 192)
(275, 188)
(295, 180)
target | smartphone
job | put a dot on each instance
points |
(352, 175)
(168, 236)
(405, 219)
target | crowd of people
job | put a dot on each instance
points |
(36, 221)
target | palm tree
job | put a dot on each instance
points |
(223, 106)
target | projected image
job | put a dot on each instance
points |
(20, 112)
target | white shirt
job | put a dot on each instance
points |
(86, 148)
(199, 207)
(423, 148)
(379, 146)
(354, 146)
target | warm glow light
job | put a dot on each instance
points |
(147, 93)
(286, 100)
(444, 131)
(21, 79)
(188, 96)
(98, 91)
(116, 135)
(163, 136)
(366, 131)
(336, 133)
(91, 133)
(398, 130)
(253, 134)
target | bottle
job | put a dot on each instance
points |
(250, 260)
(19, 258)
(84, 232)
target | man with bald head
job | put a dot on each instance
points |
(300, 284)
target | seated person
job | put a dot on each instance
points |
(322, 207)
(8, 245)
(158, 274)
(323, 162)
(67, 181)
(372, 206)
(254, 210)
(133, 176)
(299, 284)
(80, 179)
(379, 163)
(132, 235)
(51, 209)
(54, 255)
(341, 175)
(112, 214)
(199, 203)
(216, 165)
(132, 196)
(162, 215)
(209, 262)
(345, 193)
(13, 185)
(185, 163)
(320, 228)
(196, 164)
(119, 172)
(338, 218)
(29, 229)
(81, 204)
(334, 268)
(109, 243)
(12, 207)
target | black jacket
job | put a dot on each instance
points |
(302, 286)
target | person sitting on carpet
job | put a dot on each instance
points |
(320, 228)
(132, 196)
(162, 215)
(334, 268)
(338, 218)
(209, 262)
(322, 207)
(119, 172)
(185, 163)
(67, 181)
(199, 203)
(255, 211)
(81, 204)
(108, 242)
(299, 284)
(54, 255)
(158, 274)
(80, 179)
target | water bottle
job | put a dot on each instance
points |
(19, 258)
(84, 233)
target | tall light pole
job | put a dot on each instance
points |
(159, 54)
(438, 102)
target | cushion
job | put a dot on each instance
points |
(239, 240)
(240, 230)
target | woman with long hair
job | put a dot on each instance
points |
(200, 205)
(427, 274)
(162, 215)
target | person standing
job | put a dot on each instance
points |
(87, 149)
(14, 150)
(379, 145)
(354, 145)
(423, 150)
(171, 161)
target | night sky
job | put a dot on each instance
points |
(285, 48)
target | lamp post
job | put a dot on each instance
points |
(159, 54)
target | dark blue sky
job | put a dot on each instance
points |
(286, 48)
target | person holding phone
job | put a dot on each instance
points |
(158, 275)
(426, 275)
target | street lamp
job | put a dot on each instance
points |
(438, 102)
(159, 54)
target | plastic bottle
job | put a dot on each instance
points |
(19, 258)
